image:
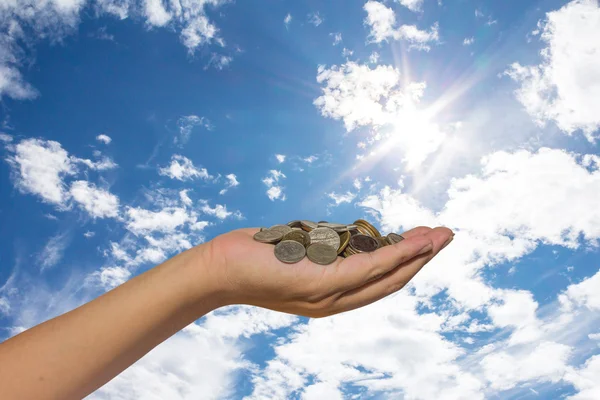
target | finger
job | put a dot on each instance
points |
(358, 269)
(395, 279)
(418, 231)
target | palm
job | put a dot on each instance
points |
(255, 276)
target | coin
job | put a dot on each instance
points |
(298, 236)
(344, 240)
(382, 241)
(336, 227)
(363, 243)
(268, 236)
(308, 225)
(326, 236)
(322, 254)
(393, 238)
(361, 222)
(294, 224)
(284, 229)
(289, 251)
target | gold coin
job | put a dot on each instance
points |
(344, 240)
(363, 230)
(322, 254)
(294, 224)
(268, 236)
(298, 236)
(326, 236)
(289, 251)
(366, 224)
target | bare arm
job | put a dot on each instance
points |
(72, 355)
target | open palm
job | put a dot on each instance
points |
(253, 275)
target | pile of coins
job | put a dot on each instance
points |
(322, 242)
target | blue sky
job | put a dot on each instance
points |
(132, 130)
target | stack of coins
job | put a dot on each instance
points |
(322, 242)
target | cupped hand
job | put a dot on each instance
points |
(249, 273)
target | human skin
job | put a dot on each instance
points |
(72, 355)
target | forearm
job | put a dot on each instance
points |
(70, 356)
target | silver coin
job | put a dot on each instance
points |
(289, 251)
(393, 238)
(281, 228)
(308, 225)
(326, 236)
(335, 227)
(322, 254)
(268, 236)
(298, 236)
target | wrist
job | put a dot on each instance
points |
(204, 286)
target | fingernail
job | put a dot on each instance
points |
(450, 239)
(425, 249)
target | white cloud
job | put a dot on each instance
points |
(274, 191)
(89, 234)
(12, 84)
(378, 97)
(187, 123)
(104, 138)
(25, 21)
(5, 137)
(155, 13)
(54, 250)
(341, 198)
(585, 293)
(185, 199)
(108, 277)
(287, 20)
(39, 167)
(418, 38)
(231, 183)
(546, 363)
(468, 41)
(357, 184)
(499, 216)
(315, 19)
(182, 168)
(218, 61)
(4, 306)
(280, 158)
(585, 380)
(141, 221)
(518, 191)
(99, 203)
(104, 163)
(381, 20)
(310, 159)
(219, 211)
(382, 23)
(565, 87)
(337, 38)
(413, 358)
(347, 52)
(413, 5)
(374, 57)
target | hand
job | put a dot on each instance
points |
(249, 273)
